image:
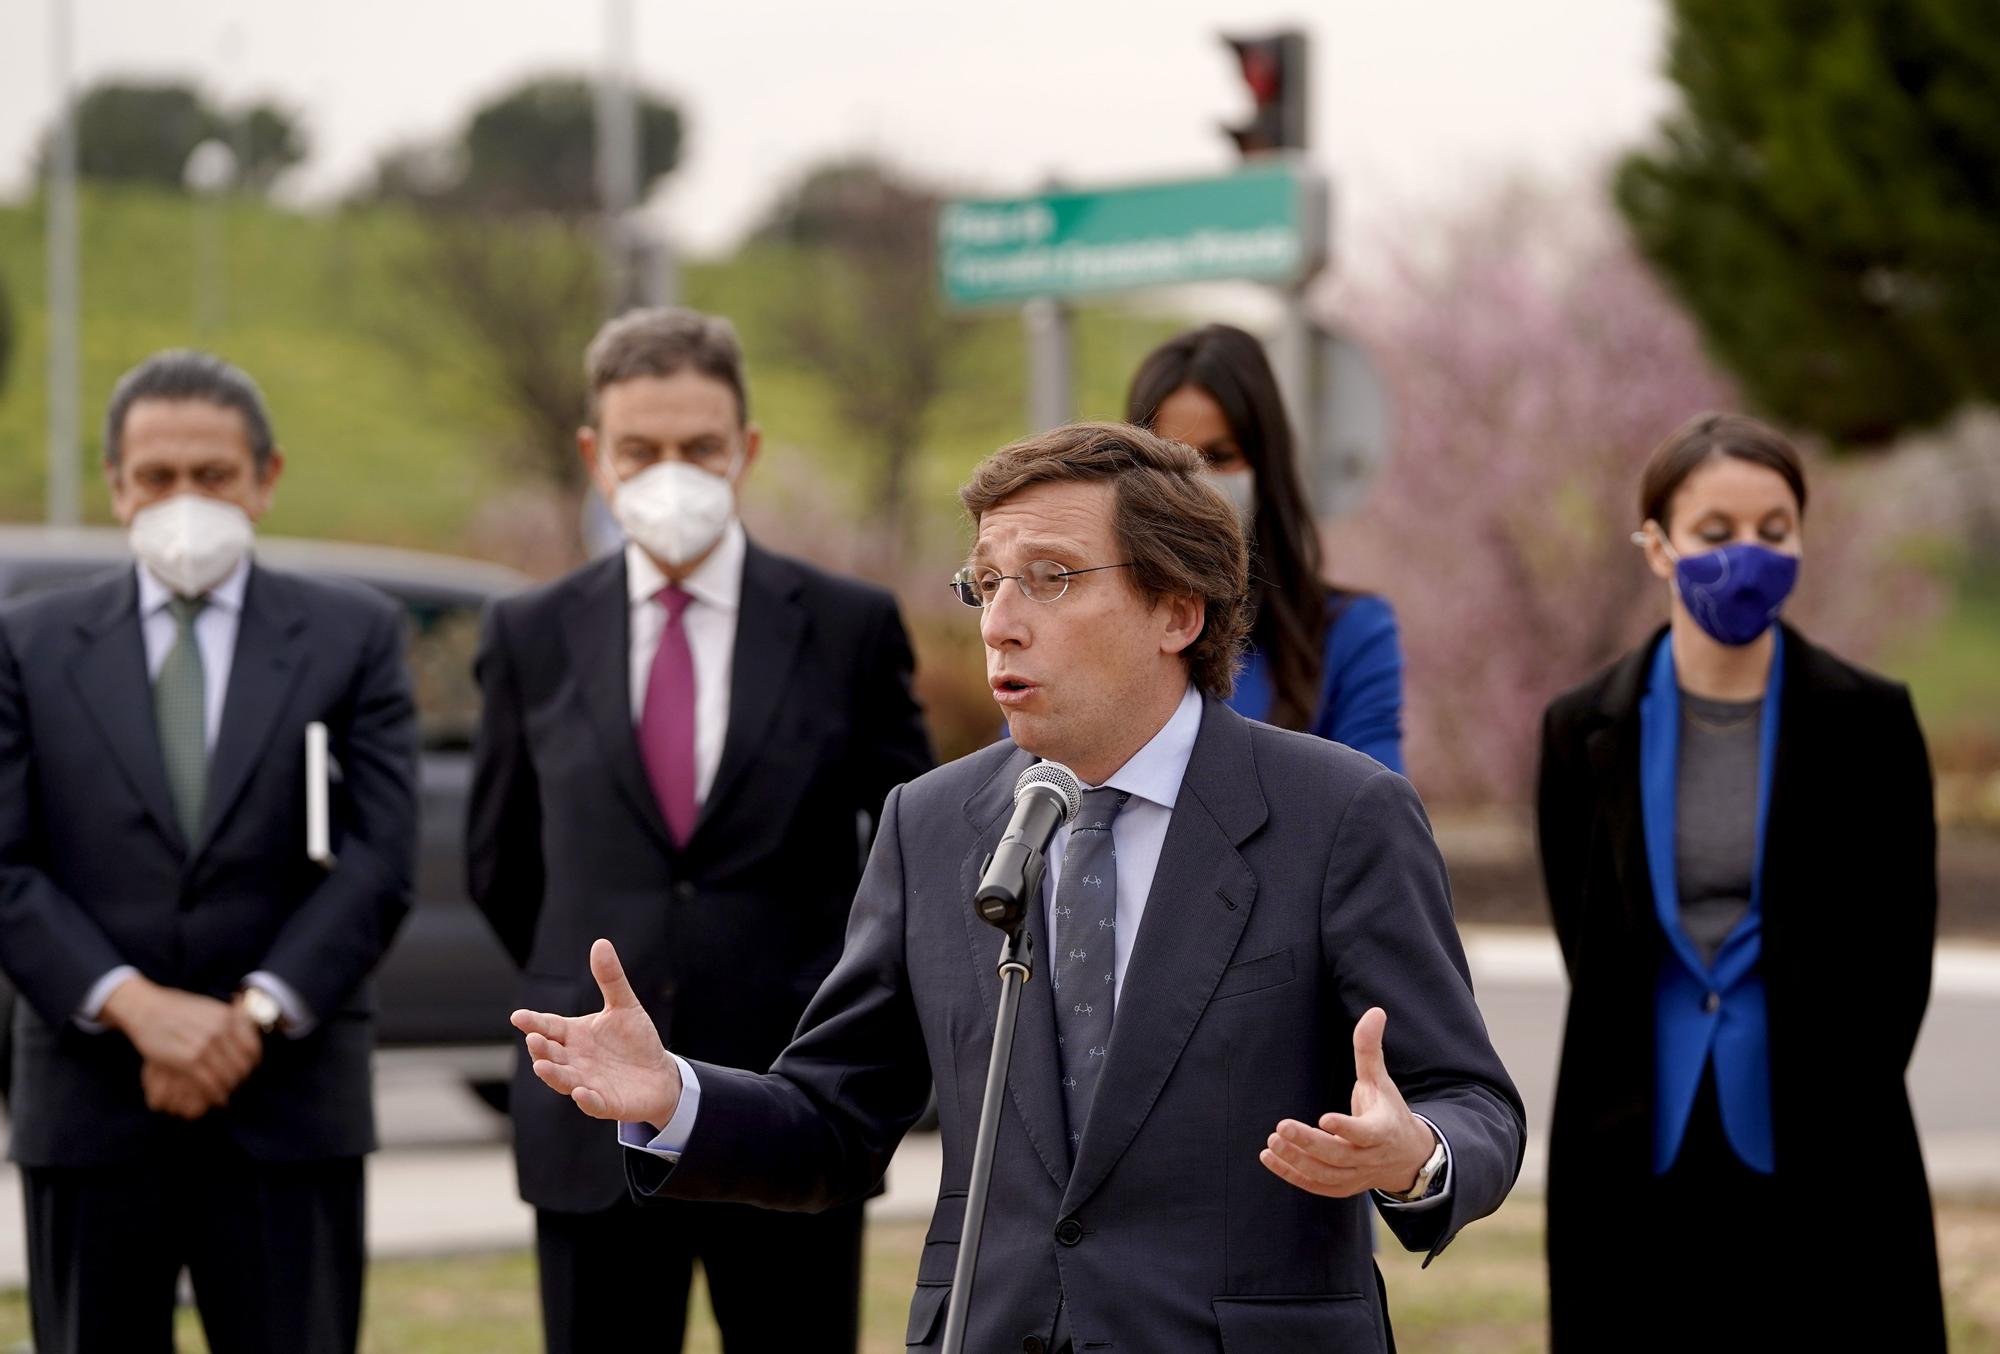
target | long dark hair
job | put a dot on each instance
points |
(1287, 593)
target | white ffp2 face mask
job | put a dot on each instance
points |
(191, 542)
(675, 511)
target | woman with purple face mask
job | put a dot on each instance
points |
(1739, 848)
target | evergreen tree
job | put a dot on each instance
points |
(1826, 203)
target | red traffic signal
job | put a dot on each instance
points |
(1274, 69)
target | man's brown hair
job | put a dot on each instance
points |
(661, 341)
(1180, 535)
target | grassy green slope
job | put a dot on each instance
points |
(390, 438)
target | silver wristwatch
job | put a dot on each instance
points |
(262, 1008)
(1425, 1174)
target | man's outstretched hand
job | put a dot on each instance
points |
(1381, 1145)
(611, 1064)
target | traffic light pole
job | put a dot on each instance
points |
(1051, 363)
(1294, 352)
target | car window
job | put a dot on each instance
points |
(442, 637)
(24, 577)
(441, 630)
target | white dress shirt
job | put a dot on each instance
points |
(1152, 776)
(215, 629)
(716, 591)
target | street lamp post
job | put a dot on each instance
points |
(617, 153)
(64, 489)
(210, 172)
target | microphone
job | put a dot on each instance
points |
(1047, 795)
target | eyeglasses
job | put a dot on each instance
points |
(718, 459)
(1041, 580)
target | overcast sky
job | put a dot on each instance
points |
(1414, 102)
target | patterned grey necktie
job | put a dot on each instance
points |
(179, 695)
(1082, 975)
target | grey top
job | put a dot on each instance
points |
(1715, 847)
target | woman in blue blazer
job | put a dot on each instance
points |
(1321, 658)
(1740, 853)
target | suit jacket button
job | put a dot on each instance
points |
(1033, 1345)
(1712, 1002)
(1069, 1231)
(684, 892)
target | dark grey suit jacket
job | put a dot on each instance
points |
(95, 872)
(1298, 886)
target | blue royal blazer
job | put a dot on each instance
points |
(1705, 1012)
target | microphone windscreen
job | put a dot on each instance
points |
(1060, 778)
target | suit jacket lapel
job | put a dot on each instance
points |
(1032, 1075)
(109, 674)
(770, 623)
(598, 633)
(1200, 902)
(1614, 751)
(1659, 765)
(268, 661)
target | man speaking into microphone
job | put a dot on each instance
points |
(1251, 1021)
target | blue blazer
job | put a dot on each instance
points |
(1361, 681)
(1705, 1013)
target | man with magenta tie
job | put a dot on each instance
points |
(684, 746)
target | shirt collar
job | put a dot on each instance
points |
(717, 583)
(228, 594)
(1154, 773)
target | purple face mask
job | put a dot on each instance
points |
(1734, 593)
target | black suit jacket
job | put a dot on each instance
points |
(726, 940)
(1849, 921)
(1298, 885)
(95, 872)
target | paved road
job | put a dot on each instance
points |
(445, 1179)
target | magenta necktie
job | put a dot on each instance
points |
(666, 720)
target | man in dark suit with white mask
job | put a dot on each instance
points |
(191, 1087)
(685, 746)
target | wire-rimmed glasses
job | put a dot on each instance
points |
(1041, 580)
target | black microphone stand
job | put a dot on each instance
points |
(1017, 965)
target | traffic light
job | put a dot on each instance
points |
(1274, 67)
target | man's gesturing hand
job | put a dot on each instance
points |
(1381, 1145)
(611, 1064)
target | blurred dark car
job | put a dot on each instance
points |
(446, 982)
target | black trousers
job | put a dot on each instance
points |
(275, 1253)
(1713, 1248)
(778, 1281)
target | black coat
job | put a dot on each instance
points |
(726, 940)
(94, 870)
(1849, 922)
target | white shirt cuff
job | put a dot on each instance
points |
(671, 1141)
(1440, 1190)
(298, 1016)
(89, 1017)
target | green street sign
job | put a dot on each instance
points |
(1267, 224)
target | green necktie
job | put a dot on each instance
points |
(179, 695)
